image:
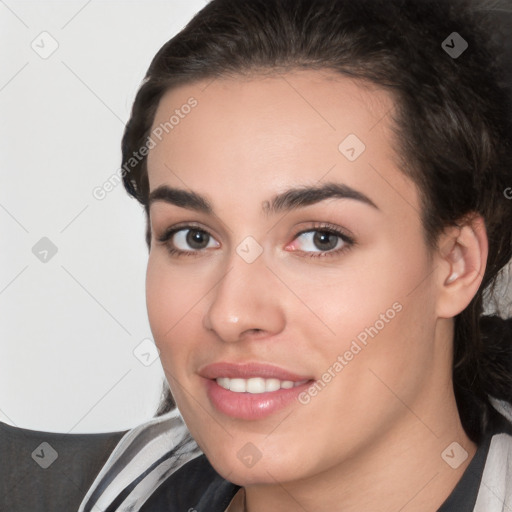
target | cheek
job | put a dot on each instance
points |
(176, 297)
(390, 348)
(160, 300)
(376, 313)
(364, 292)
(170, 298)
(171, 293)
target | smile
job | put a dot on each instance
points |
(251, 391)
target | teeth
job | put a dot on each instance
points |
(238, 385)
(256, 385)
(272, 384)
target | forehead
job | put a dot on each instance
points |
(248, 137)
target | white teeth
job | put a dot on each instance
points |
(255, 385)
(272, 384)
(223, 382)
(238, 385)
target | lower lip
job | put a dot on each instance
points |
(251, 406)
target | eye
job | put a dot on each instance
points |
(187, 240)
(321, 242)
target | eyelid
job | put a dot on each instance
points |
(164, 239)
(346, 236)
(344, 233)
(169, 231)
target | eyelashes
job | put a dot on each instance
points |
(318, 241)
(322, 241)
(190, 234)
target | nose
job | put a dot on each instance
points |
(246, 302)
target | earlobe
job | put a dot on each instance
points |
(461, 265)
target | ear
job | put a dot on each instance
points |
(460, 266)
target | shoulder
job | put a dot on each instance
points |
(495, 493)
(158, 466)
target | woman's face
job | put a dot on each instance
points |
(292, 299)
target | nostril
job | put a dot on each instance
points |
(254, 331)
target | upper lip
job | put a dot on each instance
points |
(249, 370)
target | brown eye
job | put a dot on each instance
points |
(325, 241)
(319, 241)
(188, 240)
(197, 239)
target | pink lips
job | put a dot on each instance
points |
(249, 406)
(248, 370)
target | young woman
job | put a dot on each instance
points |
(325, 183)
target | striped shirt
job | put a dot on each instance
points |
(158, 467)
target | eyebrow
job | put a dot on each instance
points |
(291, 199)
(305, 196)
(181, 198)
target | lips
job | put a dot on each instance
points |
(248, 370)
(251, 391)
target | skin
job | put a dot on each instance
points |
(372, 438)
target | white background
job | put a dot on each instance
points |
(68, 326)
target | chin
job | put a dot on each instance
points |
(259, 474)
(248, 467)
